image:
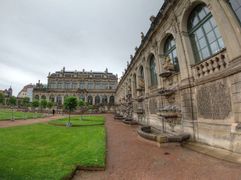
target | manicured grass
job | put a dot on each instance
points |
(43, 151)
(6, 114)
(81, 120)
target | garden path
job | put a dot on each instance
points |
(10, 123)
(129, 157)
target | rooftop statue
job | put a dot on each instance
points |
(142, 35)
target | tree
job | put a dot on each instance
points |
(50, 104)
(81, 103)
(70, 104)
(35, 103)
(1, 98)
(43, 104)
(12, 103)
(26, 102)
(19, 103)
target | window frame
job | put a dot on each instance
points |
(153, 73)
(170, 51)
(235, 11)
(199, 48)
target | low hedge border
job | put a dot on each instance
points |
(17, 119)
(76, 125)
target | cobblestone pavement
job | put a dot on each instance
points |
(129, 157)
(10, 123)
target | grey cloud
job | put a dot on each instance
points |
(41, 36)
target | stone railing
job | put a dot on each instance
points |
(212, 65)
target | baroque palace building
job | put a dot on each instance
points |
(186, 74)
(96, 88)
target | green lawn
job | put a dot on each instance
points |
(83, 120)
(43, 151)
(6, 114)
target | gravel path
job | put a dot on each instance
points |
(129, 157)
(10, 123)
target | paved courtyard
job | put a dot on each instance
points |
(129, 157)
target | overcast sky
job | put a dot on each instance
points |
(41, 36)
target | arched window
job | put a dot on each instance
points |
(141, 81)
(153, 75)
(43, 97)
(170, 50)
(236, 6)
(134, 84)
(97, 100)
(204, 34)
(129, 88)
(104, 99)
(112, 100)
(141, 72)
(36, 97)
(90, 100)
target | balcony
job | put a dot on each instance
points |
(215, 64)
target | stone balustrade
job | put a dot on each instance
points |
(212, 65)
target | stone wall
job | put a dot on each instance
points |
(208, 93)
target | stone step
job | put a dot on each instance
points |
(214, 152)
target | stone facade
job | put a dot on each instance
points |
(27, 91)
(96, 88)
(186, 74)
(7, 92)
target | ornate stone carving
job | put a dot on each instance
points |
(167, 64)
(131, 57)
(141, 83)
(142, 36)
(152, 18)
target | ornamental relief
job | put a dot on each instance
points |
(214, 101)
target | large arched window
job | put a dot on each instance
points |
(153, 75)
(112, 100)
(90, 100)
(43, 97)
(141, 81)
(141, 70)
(236, 6)
(104, 99)
(134, 84)
(97, 100)
(204, 34)
(170, 50)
